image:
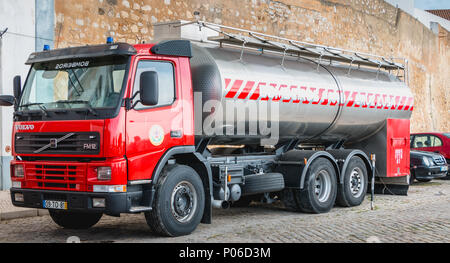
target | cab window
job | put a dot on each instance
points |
(166, 79)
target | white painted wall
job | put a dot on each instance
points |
(17, 44)
(427, 18)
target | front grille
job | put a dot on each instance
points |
(79, 143)
(439, 160)
(56, 176)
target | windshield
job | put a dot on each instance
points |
(85, 83)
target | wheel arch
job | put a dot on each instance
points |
(344, 157)
(295, 178)
(310, 160)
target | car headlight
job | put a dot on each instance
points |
(427, 161)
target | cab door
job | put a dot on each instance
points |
(152, 130)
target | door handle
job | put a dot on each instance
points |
(176, 134)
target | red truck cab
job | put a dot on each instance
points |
(85, 139)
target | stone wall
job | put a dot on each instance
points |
(372, 26)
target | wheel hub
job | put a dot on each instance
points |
(356, 182)
(322, 187)
(183, 201)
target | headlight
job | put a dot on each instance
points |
(427, 161)
(104, 173)
(19, 171)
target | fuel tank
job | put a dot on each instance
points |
(317, 103)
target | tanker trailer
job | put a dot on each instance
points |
(280, 119)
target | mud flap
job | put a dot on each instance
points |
(392, 185)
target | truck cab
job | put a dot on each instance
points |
(91, 125)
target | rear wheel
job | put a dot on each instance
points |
(319, 192)
(354, 187)
(74, 220)
(179, 202)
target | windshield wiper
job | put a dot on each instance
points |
(43, 109)
(31, 104)
(39, 104)
(88, 105)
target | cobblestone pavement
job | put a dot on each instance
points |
(422, 216)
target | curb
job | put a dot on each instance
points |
(22, 214)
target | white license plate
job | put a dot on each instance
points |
(55, 204)
(444, 168)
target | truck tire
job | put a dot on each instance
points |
(353, 190)
(179, 202)
(319, 192)
(74, 220)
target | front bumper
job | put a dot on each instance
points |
(116, 203)
(432, 172)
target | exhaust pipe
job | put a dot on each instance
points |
(220, 204)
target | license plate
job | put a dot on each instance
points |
(55, 204)
(444, 168)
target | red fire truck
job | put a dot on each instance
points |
(211, 116)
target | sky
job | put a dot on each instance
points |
(432, 4)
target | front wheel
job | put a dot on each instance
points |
(179, 202)
(74, 220)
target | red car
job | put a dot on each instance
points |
(432, 142)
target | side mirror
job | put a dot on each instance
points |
(17, 87)
(149, 88)
(6, 100)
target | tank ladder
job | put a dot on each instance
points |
(251, 40)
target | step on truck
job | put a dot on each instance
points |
(207, 116)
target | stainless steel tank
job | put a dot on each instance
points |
(318, 104)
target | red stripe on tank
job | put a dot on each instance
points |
(234, 89)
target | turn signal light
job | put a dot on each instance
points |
(109, 188)
(16, 184)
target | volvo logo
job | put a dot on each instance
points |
(23, 127)
(53, 143)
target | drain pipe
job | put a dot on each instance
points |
(372, 190)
